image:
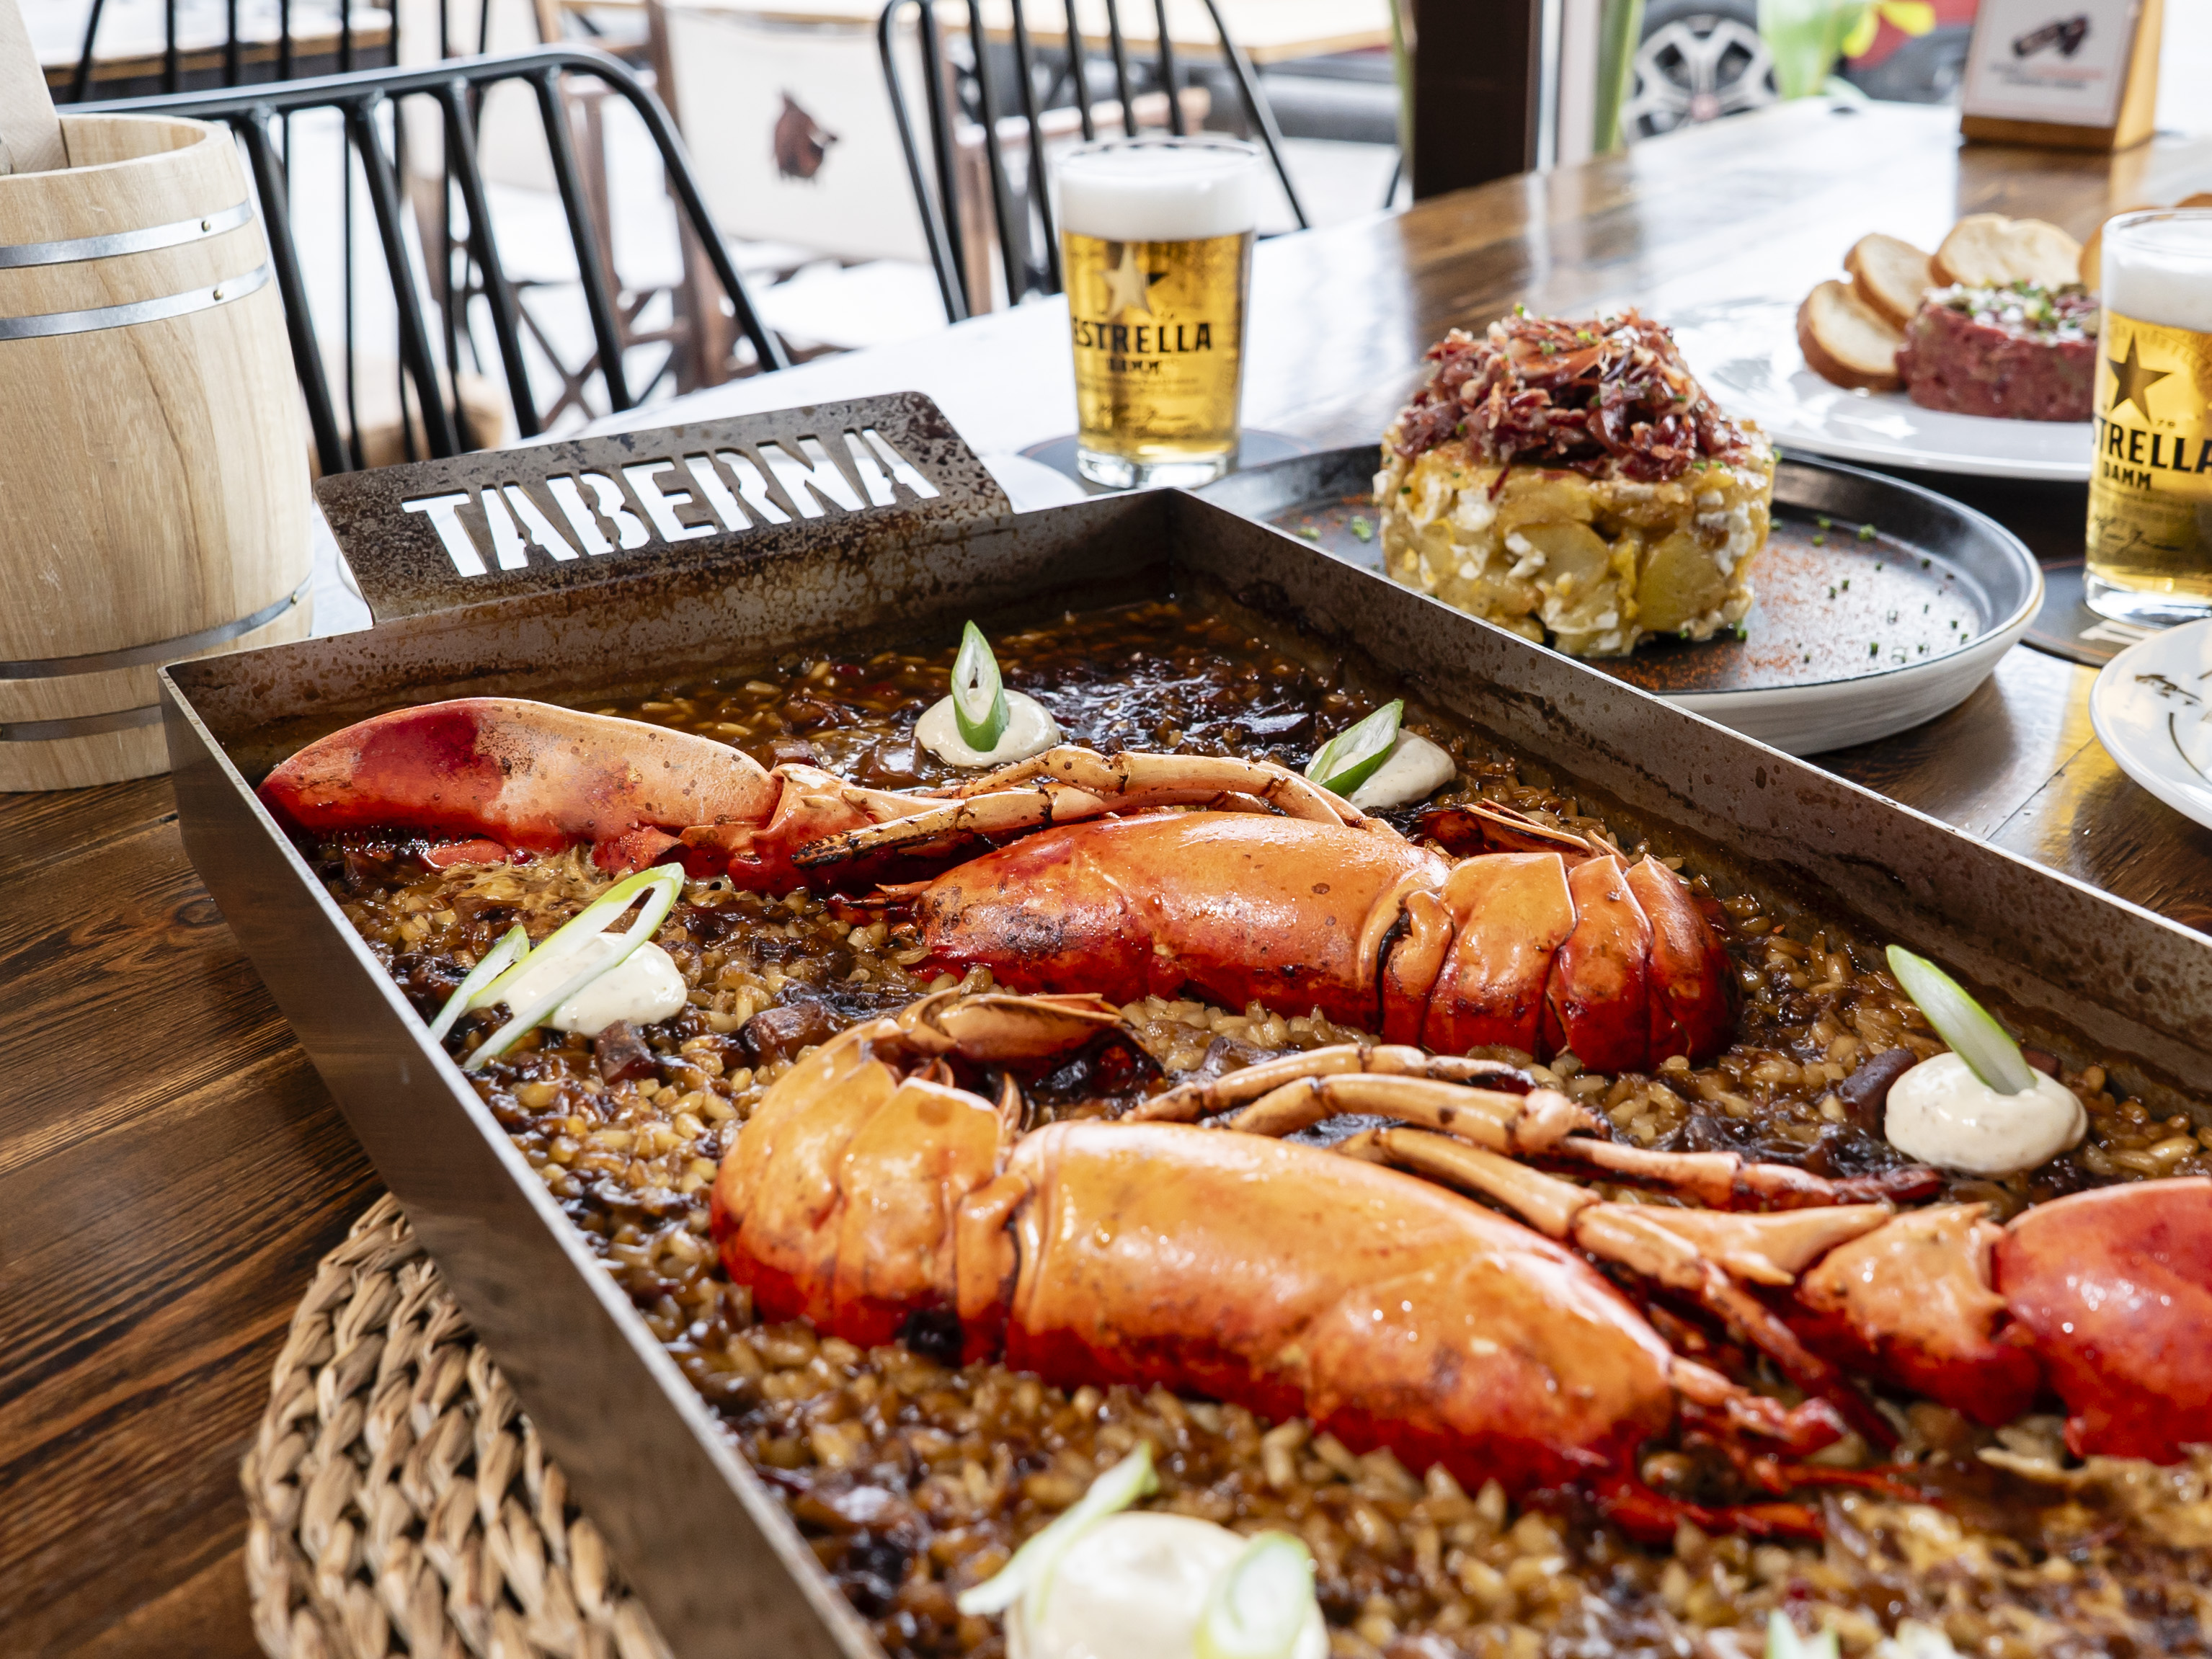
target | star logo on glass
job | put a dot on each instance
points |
(1128, 284)
(2131, 379)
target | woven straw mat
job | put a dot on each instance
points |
(400, 1501)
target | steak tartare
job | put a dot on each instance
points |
(2020, 353)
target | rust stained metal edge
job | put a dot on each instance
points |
(405, 569)
(721, 1563)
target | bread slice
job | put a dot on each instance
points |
(1890, 274)
(1846, 341)
(2092, 264)
(1987, 250)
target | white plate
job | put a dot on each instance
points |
(1745, 353)
(2149, 707)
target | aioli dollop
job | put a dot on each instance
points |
(1941, 1114)
(1414, 770)
(1030, 731)
(646, 988)
(1132, 1587)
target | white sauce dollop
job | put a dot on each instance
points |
(1941, 1114)
(1132, 1587)
(1414, 770)
(646, 987)
(1030, 731)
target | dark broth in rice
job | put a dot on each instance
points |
(915, 1477)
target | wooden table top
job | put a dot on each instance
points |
(1269, 31)
(171, 1167)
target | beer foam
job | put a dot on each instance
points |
(1153, 189)
(2158, 269)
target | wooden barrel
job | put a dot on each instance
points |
(154, 490)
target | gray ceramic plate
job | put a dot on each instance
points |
(1879, 605)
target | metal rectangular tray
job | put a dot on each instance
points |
(724, 1569)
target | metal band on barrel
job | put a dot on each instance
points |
(137, 656)
(174, 234)
(81, 726)
(44, 324)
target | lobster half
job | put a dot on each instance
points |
(878, 1195)
(1274, 891)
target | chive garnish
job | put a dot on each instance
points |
(660, 886)
(496, 961)
(979, 696)
(1350, 758)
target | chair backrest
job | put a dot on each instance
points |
(965, 111)
(132, 48)
(464, 264)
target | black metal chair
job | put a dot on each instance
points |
(243, 55)
(956, 93)
(469, 268)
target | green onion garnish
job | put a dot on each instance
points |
(1970, 1029)
(1262, 1604)
(1783, 1641)
(1030, 1573)
(496, 961)
(979, 697)
(1350, 758)
(660, 885)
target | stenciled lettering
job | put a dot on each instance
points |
(610, 508)
(903, 472)
(661, 505)
(444, 513)
(535, 527)
(752, 486)
(701, 469)
(812, 482)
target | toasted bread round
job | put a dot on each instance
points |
(2090, 265)
(1890, 274)
(1987, 250)
(1846, 341)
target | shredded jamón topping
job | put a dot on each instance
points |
(1601, 395)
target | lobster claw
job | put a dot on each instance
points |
(528, 776)
(2114, 1288)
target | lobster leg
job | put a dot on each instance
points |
(1068, 784)
(1533, 1122)
(1189, 1101)
(1698, 1253)
(1302, 1088)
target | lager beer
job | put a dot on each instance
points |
(2150, 486)
(1156, 252)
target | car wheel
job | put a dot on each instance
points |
(1699, 60)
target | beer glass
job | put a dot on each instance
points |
(2149, 556)
(1156, 238)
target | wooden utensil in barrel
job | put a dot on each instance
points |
(30, 137)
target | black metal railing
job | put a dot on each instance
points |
(366, 102)
(1028, 245)
(344, 45)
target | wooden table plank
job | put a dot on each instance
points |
(171, 1168)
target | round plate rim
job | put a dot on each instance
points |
(1953, 462)
(2012, 627)
(2193, 805)
(2014, 622)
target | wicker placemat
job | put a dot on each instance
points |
(400, 1501)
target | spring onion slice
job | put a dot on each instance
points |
(1350, 758)
(979, 696)
(1970, 1029)
(1261, 1604)
(1783, 1641)
(496, 961)
(1030, 1573)
(660, 885)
